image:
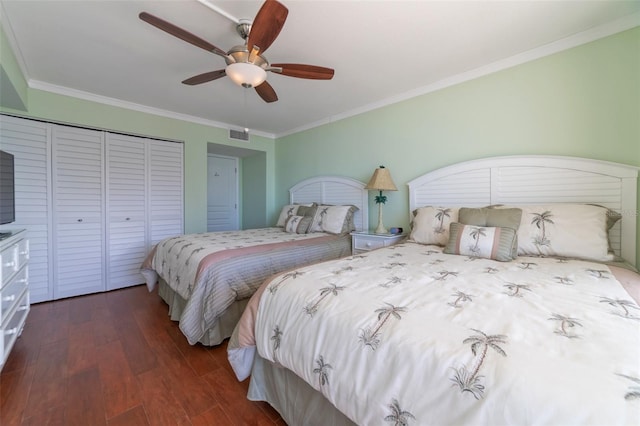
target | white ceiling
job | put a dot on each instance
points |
(382, 51)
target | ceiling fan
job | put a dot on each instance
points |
(246, 65)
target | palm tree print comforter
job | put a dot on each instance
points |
(407, 335)
(212, 270)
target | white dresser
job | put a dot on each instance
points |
(14, 291)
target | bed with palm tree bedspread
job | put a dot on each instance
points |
(211, 271)
(512, 314)
(208, 278)
(411, 335)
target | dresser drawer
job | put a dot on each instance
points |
(12, 259)
(23, 252)
(11, 293)
(13, 327)
(366, 243)
(8, 263)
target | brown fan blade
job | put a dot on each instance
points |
(304, 71)
(205, 77)
(266, 92)
(180, 33)
(267, 25)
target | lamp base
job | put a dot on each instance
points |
(381, 230)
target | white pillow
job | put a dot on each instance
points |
(565, 230)
(430, 224)
(338, 219)
(333, 219)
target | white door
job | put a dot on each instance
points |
(126, 210)
(28, 141)
(222, 193)
(165, 191)
(78, 199)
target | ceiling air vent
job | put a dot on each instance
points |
(239, 135)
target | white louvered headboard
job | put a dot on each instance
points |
(335, 190)
(537, 180)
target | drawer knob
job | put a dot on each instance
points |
(9, 298)
(11, 331)
(79, 220)
(10, 264)
(128, 218)
(368, 244)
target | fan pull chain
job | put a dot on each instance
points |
(246, 112)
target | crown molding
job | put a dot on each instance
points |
(79, 94)
(593, 34)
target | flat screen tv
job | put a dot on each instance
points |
(7, 189)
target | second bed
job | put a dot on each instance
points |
(207, 279)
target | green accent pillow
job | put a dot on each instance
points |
(307, 211)
(494, 243)
(503, 218)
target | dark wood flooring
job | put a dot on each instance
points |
(116, 358)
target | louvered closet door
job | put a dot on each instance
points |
(78, 170)
(28, 141)
(126, 206)
(165, 190)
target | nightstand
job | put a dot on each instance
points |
(366, 241)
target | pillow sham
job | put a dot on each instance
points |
(316, 223)
(339, 219)
(297, 224)
(291, 210)
(564, 230)
(612, 218)
(482, 241)
(333, 219)
(430, 224)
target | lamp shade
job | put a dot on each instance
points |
(246, 74)
(381, 180)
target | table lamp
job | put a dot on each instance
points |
(381, 181)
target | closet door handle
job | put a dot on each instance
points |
(80, 220)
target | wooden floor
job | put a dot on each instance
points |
(116, 358)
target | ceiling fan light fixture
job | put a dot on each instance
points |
(245, 74)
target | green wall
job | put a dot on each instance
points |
(13, 86)
(582, 102)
